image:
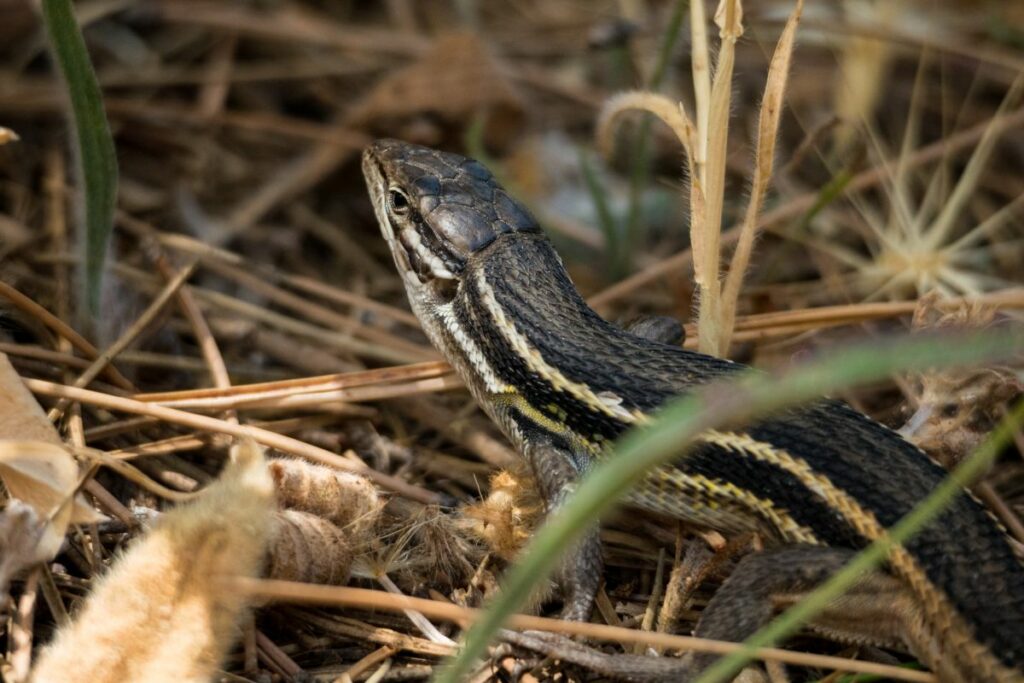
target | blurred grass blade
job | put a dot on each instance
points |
(971, 176)
(641, 148)
(875, 554)
(615, 255)
(97, 159)
(737, 400)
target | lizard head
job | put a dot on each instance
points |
(438, 211)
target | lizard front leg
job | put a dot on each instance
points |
(556, 470)
(657, 328)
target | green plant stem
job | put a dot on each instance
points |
(612, 244)
(874, 555)
(741, 399)
(641, 153)
(95, 153)
(831, 191)
(869, 678)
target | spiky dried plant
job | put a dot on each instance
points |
(925, 238)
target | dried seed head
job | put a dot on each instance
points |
(427, 548)
(308, 548)
(347, 500)
(508, 516)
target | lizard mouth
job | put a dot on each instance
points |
(407, 247)
(377, 184)
(420, 256)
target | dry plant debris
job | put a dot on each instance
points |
(160, 614)
(327, 518)
(509, 514)
(954, 410)
(705, 145)
(249, 291)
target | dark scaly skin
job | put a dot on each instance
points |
(960, 570)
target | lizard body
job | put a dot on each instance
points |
(820, 482)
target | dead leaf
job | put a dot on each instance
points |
(43, 476)
(22, 421)
(21, 417)
(20, 532)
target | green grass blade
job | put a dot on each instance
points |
(740, 399)
(614, 253)
(875, 554)
(641, 161)
(95, 153)
(832, 190)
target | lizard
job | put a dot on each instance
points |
(819, 482)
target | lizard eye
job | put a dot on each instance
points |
(398, 202)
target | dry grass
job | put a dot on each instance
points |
(249, 293)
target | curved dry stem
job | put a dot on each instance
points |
(700, 57)
(59, 327)
(669, 111)
(262, 436)
(703, 234)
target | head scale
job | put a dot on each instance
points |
(437, 210)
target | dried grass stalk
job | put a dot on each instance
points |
(706, 150)
(965, 186)
(701, 65)
(708, 226)
(134, 475)
(864, 66)
(673, 114)
(767, 129)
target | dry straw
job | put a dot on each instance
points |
(706, 150)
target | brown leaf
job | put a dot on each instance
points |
(20, 547)
(20, 415)
(22, 421)
(44, 476)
